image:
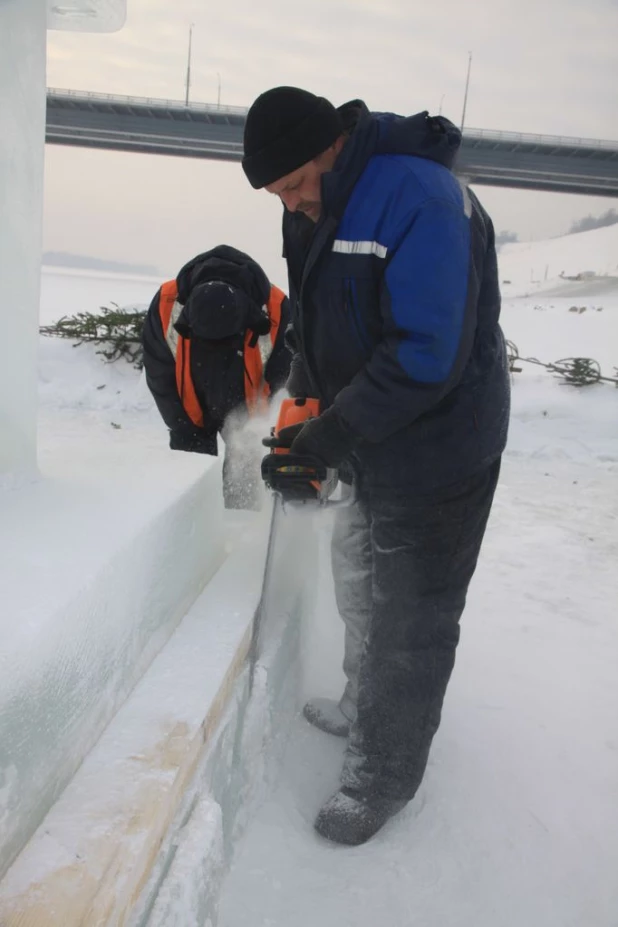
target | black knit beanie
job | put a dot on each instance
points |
(286, 127)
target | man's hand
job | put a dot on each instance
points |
(327, 439)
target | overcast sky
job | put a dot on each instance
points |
(545, 66)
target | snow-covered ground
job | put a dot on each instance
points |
(517, 819)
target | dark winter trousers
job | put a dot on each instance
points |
(402, 564)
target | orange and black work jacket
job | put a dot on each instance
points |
(196, 382)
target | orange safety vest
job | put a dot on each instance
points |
(256, 356)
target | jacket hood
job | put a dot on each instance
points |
(226, 264)
(421, 135)
(216, 311)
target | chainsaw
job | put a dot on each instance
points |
(292, 477)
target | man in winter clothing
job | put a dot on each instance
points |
(214, 345)
(395, 305)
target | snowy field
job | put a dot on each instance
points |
(65, 291)
(517, 819)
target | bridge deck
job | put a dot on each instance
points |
(203, 130)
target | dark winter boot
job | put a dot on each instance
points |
(352, 818)
(325, 714)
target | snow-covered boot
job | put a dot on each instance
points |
(325, 714)
(352, 818)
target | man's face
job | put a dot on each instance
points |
(301, 190)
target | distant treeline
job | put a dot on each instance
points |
(595, 222)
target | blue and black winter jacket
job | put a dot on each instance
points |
(395, 304)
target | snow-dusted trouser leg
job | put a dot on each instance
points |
(425, 551)
(352, 567)
(241, 467)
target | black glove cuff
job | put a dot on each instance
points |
(194, 442)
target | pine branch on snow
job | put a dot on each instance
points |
(573, 371)
(118, 332)
(577, 371)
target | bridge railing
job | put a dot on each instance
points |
(529, 138)
(88, 95)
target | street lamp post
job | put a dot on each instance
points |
(188, 82)
(465, 102)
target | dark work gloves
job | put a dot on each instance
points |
(327, 438)
(197, 441)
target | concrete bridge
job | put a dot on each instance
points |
(204, 130)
